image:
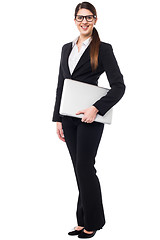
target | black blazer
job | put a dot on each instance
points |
(83, 72)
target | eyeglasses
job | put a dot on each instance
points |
(89, 18)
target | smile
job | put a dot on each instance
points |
(84, 27)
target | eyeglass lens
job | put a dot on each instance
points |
(80, 18)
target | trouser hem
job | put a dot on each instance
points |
(93, 228)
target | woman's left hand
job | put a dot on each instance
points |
(89, 114)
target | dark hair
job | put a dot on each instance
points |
(94, 45)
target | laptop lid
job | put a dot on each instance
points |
(78, 95)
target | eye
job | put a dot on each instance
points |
(79, 17)
(89, 17)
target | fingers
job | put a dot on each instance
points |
(89, 114)
(79, 112)
(87, 120)
(60, 132)
(60, 135)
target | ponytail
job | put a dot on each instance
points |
(94, 49)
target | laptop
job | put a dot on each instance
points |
(78, 95)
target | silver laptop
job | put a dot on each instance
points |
(78, 95)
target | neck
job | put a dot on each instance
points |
(82, 38)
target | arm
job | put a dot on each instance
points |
(115, 79)
(56, 116)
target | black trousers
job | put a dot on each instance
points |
(82, 140)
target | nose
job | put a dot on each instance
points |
(84, 20)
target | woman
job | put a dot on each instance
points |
(85, 59)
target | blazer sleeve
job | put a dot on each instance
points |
(115, 79)
(56, 116)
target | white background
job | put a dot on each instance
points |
(37, 183)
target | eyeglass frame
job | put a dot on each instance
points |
(94, 17)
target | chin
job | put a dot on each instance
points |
(85, 33)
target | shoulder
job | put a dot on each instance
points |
(104, 47)
(66, 45)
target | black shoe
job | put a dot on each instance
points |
(86, 235)
(75, 232)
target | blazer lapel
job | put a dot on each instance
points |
(84, 58)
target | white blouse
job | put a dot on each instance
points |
(75, 56)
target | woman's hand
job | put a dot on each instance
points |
(59, 131)
(89, 114)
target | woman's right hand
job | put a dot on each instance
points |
(59, 131)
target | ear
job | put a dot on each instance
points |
(95, 21)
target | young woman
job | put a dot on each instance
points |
(85, 59)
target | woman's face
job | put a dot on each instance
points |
(85, 28)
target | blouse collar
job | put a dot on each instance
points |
(86, 42)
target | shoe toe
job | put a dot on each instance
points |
(86, 235)
(75, 232)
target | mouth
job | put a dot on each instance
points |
(85, 27)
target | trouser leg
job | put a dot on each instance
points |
(70, 133)
(88, 139)
(80, 212)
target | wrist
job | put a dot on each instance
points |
(95, 109)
